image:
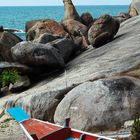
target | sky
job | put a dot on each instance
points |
(59, 2)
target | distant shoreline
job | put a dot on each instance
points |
(62, 5)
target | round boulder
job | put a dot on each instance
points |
(103, 30)
(102, 104)
(36, 54)
(45, 26)
(86, 18)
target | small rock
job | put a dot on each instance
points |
(128, 124)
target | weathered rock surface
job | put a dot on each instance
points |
(119, 57)
(103, 30)
(66, 47)
(45, 26)
(39, 104)
(23, 69)
(45, 38)
(7, 40)
(87, 19)
(105, 103)
(22, 83)
(74, 27)
(37, 54)
(70, 11)
(134, 8)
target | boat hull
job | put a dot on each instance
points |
(48, 131)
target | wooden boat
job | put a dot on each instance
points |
(40, 130)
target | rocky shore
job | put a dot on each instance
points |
(83, 68)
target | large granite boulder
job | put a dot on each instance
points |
(77, 31)
(70, 11)
(45, 26)
(66, 47)
(105, 103)
(87, 19)
(36, 54)
(134, 8)
(103, 30)
(7, 41)
(40, 104)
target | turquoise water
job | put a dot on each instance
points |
(16, 17)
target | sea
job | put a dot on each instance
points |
(16, 17)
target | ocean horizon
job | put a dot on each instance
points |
(16, 16)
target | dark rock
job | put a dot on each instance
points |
(22, 83)
(36, 54)
(1, 29)
(45, 26)
(4, 91)
(87, 19)
(103, 30)
(7, 41)
(45, 38)
(70, 11)
(66, 47)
